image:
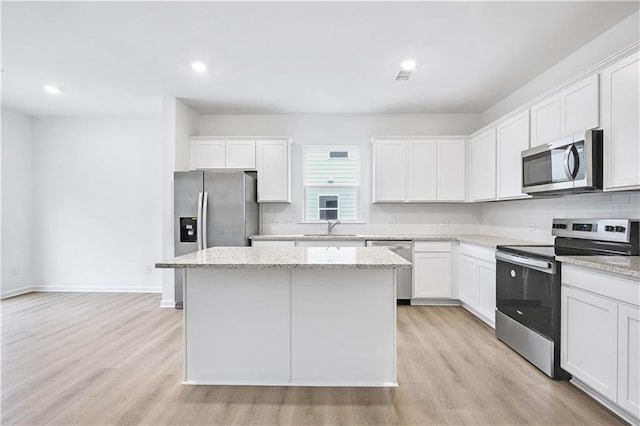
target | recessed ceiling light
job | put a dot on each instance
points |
(52, 90)
(198, 66)
(408, 65)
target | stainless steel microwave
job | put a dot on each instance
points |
(571, 164)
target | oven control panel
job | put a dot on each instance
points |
(615, 230)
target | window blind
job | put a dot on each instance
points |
(334, 172)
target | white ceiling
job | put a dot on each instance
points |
(290, 57)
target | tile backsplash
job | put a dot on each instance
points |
(528, 219)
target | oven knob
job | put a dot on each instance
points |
(609, 228)
(513, 273)
(620, 229)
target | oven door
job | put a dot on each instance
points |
(551, 167)
(528, 290)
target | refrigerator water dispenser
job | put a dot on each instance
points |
(188, 229)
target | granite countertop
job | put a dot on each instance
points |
(483, 240)
(289, 258)
(623, 265)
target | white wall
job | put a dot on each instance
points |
(350, 130)
(613, 40)
(178, 123)
(98, 207)
(514, 218)
(17, 203)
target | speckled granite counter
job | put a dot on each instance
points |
(622, 265)
(289, 258)
(483, 240)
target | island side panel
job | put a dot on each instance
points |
(343, 327)
(237, 326)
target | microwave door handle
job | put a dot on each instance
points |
(576, 161)
(567, 169)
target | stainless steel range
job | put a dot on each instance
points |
(528, 281)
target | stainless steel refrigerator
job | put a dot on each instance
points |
(212, 209)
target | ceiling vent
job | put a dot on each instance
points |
(403, 75)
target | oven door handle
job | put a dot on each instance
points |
(539, 265)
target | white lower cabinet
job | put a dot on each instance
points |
(629, 359)
(600, 337)
(487, 289)
(478, 281)
(589, 339)
(468, 280)
(432, 270)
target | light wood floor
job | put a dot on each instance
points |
(89, 359)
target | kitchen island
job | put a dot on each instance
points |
(315, 316)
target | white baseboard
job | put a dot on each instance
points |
(167, 303)
(16, 292)
(435, 302)
(489, 321)
(97, 289)
(632, 420)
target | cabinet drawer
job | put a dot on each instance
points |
(330, 243)
(432, 246)
(487, 254)
(271, 243)
(608, 285)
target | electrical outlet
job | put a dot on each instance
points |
(392, 222)
(147, 268)
(532, 227)
(291, 223)
(14, 271)
(275, 222)
(445, 224)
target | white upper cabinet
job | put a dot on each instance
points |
(573, 110)
(620, 108)
(389, 170)
(512, 139)
(418, 170)
(451, 170)
(207, 154)
(241, 154)
(579, 107)
(213, 153)
(273, 162)
(422, 171)
(545, 121)
(483, 166)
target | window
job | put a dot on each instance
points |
(331, 178)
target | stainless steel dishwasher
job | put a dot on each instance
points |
(404, 275)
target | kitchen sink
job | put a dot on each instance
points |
(329, 235)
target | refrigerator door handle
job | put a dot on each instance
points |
(199, 222)
(204, 221)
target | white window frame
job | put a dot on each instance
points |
(337, 209)
(330, 186)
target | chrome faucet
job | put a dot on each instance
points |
(330, 226)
